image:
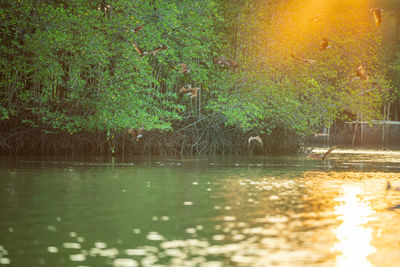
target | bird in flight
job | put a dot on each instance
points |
(156, 50)
(184, 68)
(390, 187)
(302, 59)
(360, 73)
(316, 18)
(137, 29)
(138, 49)
(152, 52)
(192, 92)
(394, 207)
(323, 156)
(377, 12)
(223, 61)
(324, 44)
(138, 134)
(255, 138)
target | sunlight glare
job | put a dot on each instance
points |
(354, 238)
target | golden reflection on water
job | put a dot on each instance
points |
(367, 233)
(354, 238)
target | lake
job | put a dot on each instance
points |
(217, 211)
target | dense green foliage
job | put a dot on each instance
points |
(71, 66)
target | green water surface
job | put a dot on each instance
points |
(257, 211)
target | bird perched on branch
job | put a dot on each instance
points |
(184, 68)
(324, 44)
(136, 134)
(302, 59)
(377, 12)
(223, 61)
(360, 73)
(323, 156)
(256, 138)
(192, 92)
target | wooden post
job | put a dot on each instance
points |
(383, 126)
(329, 134)
(387, 125)
(123, 146)
(195, 106)
(199, 102)
(362, 131)
(355, 132)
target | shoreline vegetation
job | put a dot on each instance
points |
(205, 136)
(192, 78)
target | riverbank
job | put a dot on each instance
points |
(195, 137)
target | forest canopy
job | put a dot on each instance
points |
(195, 76)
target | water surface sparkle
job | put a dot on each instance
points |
(354, 239)
(285, 211)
